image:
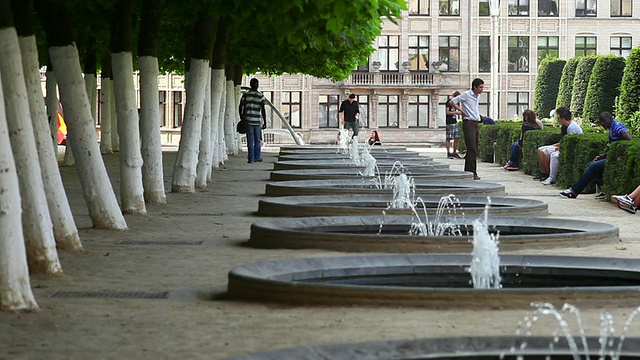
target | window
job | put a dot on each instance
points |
(328, 111)
(484, 8)
(547, 8)
(449, 7)
(517, 103)
(418, 7)
(388, 111)
(621, 45)
(518, 53)
(485, 103)
(518, 7)
(585, 45)
(177, 109)
(548, 46)
(449, 53)
(620, 8)
(419, 53)
(388, 52)
(484, 54)
(585, 8)
(162, 99)
(418, 111)
(363, 101)
(291, 107)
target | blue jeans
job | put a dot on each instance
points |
(254, 142)
(595, 170)
(515, 153)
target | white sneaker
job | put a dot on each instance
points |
(548, 181)
(625, 199)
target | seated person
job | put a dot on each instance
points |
(595, 169)
(374, 139)
(544, 157)
(528, 123)
(628, 202)
(564, 118)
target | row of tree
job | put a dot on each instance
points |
(589, 85)
(212, 41)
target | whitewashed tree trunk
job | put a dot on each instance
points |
(105, 116)
(96, 187)
(152, 169)
(68, 159)
(131, 190)
(52, 109)
(184, 171)
(218, 83)
(91, 84)
(238, 95)
(230, 120)
(221, 124)
(42, 255)
(15, 286)
(115, 139)
(203, 168)
(64, 227)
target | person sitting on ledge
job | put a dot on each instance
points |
(375, 138)
(528, 123)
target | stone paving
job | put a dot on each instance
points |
(158, 289)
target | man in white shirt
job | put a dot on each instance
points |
(564, 118)
(468, 103)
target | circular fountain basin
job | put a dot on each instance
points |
(389, 156)
(349, 173)
(359, 186)
(438, 281)
(366, 234)
(456, 348)
(363, 204)
(336, 148)
(346, 163)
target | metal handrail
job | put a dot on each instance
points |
(295, 136)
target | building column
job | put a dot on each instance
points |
(433, 110)
(403, 121)
(373, 111)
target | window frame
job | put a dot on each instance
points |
(288, 103)
(621, 50)
(481, 7)
(521, 51)
(177, 109)
(388, 104)
(547, 48)
(520, 106)
(584, 11)
(449, 49)
(419, 7)
(418, 49)
(364, 109)
(519, 6)
(328, 122)
(388, 49)
(587, 50)
(415, 101)
(621, 4)
(448, 6)
(486, 49)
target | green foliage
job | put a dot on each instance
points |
(547, 83)
(486, 139)
(508, 132)
(622, 170)
(576, 151)
(566, 83)
(629, 100)
(603, 87)
(581, 83)
(532, 141)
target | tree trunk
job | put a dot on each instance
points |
(38, 235)
(131, 190)
(64, 227)
(217, 91)
(152, 168)
(68, 159)
(184, 171)
(52, 107)
(222, 137)
(237, 82)
(115, 139)
(90, 73)
(203, 168)
(15, 286)
(230, 133)
(105, 106)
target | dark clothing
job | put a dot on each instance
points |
(516, 147)
(526, 128)
(563, 130)
(595, 170)
(350, 110)
(254, 143)
(471, 129)
(451, 119)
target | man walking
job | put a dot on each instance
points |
(453, 132)
(350, 110)
(252, 110)
(468, 103)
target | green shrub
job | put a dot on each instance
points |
(629, 99)
(581, 83)
(462, 146)
(604, 86)
(486, 139)
(622, 170)
(576, 151)
(547, 84)
(532, 141)
(508, 132)
(566, 83)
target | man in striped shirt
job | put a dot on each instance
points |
(253, 112)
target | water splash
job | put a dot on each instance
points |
(404, 189)
(485, 261)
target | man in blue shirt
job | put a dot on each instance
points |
(595, 169)
(468, 103)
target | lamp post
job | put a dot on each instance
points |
(494, 8)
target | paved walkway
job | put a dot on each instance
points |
(181, 254)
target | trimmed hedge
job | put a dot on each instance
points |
(508, 132)
(622, 170)
(547, 84)
(576, 151)
(532, 141)
(629, 100)
(581, 83)
(486, 138)
(604, 87)
(566, 83)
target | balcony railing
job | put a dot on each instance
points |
(393, 79)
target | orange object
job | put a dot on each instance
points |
(62, 129)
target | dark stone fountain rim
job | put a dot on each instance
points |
(347, 173)
(433, 348)
(343, 163)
